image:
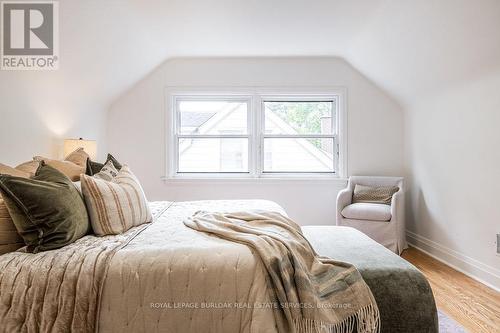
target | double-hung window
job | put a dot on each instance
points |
(211, 135)
(255, 135)
(298, 135)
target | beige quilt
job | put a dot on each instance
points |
(160, 277)
(171, 278)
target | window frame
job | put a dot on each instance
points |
(255, 98)
(296, 98)
(177, 135)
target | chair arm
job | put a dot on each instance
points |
(397, 205)
(344, 198)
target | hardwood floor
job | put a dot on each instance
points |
(475, 306)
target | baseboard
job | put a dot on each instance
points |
(473, 268)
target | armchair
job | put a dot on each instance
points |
(384, 224)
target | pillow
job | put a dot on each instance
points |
(79, 157)
(94, 167)
(70, 169)
(78, 186)
(29, 167)
(47, 210)
(117, 205)
(7, 170)
(116, 164)
(108, 172)
(370, 194)
(10, 240)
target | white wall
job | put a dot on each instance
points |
(38, 110)
(453, 145)
(137, 122)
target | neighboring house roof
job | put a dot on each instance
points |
(322, 156)
(195, 119)
(206, 120)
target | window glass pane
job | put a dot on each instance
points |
(300, 117)
(212, 117)
(213, 155)
(298, 155)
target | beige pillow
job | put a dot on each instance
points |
(10, 240)
(29, 167)
(69, 169)
(117, 205)
(371, 194)
(79, 157)
(7, 170)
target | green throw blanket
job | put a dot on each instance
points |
(312, 293)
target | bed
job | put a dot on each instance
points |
(165, 277)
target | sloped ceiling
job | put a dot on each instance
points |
(407, 47)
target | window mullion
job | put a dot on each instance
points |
(259, 141)
(251, 131)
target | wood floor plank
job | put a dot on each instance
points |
(472, 304)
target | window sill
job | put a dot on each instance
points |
(274, 179)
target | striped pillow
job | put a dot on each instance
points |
(117, 205)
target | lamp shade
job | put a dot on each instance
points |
(90, 147)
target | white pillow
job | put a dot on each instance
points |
(108, 172)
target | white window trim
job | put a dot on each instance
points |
(255, 97)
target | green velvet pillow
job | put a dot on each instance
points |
(47, 210)
(95, 167)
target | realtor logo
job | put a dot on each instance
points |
(30, 35)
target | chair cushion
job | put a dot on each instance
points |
(367, 211)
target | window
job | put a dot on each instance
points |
(298, 136)
(212, 136)
(255, 135)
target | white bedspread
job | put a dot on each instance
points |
(173, 279)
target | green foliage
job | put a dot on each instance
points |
(303, 117)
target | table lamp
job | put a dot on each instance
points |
(90, 147)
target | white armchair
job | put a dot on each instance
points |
(383, 223)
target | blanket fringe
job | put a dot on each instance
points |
(366, 320)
